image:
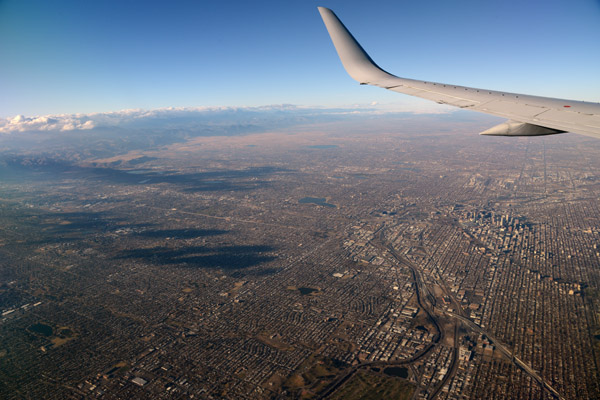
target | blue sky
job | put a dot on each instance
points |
(97, 56)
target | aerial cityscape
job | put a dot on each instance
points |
(323, 262)
(231, 200)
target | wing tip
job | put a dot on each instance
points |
(356, 61)
(324, 11)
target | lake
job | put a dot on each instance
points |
(320, 201)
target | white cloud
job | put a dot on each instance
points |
(71, 122)
(21, 123)
(190, 117)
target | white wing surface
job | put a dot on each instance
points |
(528, 115)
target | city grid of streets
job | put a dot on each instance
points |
(439, 265)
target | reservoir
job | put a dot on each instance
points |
(396, 371)
(307, 290)
(323, 146)
(320, 201)
(41, 329)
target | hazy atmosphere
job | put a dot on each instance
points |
(197, 201)
(68, 57)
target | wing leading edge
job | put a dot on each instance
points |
(528, 115)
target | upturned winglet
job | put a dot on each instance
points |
(355, 59)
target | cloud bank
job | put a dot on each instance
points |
(190, 117)
(21, 123)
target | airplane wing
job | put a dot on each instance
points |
(528, 115)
